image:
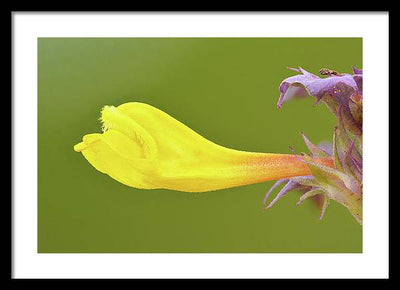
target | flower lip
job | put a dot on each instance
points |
(80, 146)
(113, 118)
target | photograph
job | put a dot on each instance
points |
(200, 145)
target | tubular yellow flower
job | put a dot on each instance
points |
(143, 147)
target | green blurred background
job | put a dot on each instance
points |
(226, 89)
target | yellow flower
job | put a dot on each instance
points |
(143, 147)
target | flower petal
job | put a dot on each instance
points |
(338, 91)
(308, 84)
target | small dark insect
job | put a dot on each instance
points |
(328, 72)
